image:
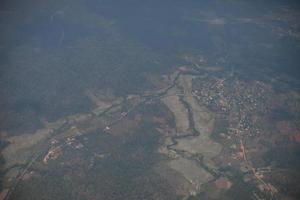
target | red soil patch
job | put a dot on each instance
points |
(223, 183)
(296, 138)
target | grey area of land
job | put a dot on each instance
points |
(204, 123)
(174, 104)
(201, 144)
(191, 171)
